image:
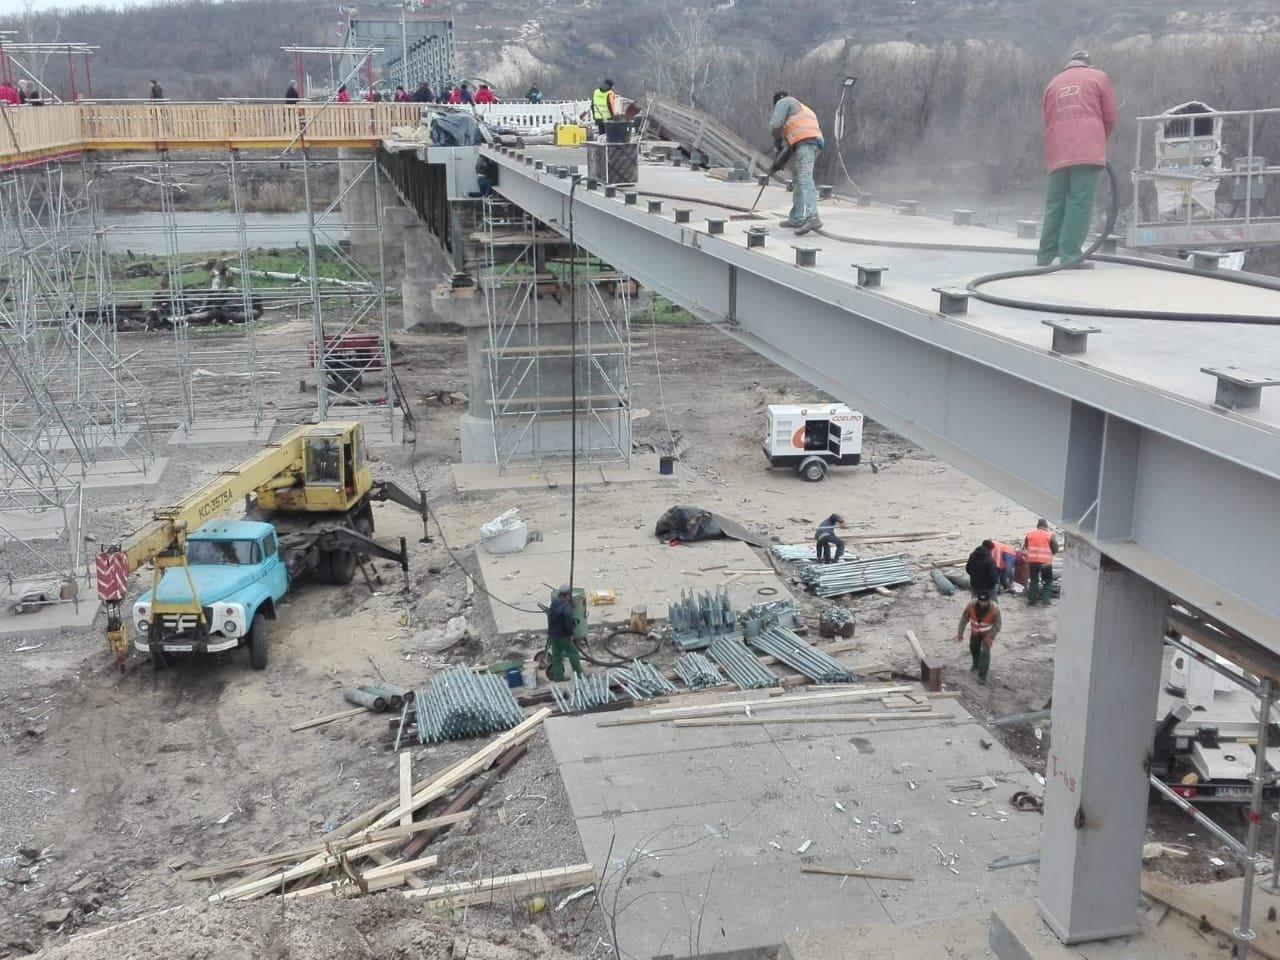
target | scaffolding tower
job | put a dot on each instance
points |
(532, 358)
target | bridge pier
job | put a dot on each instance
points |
(360, 199)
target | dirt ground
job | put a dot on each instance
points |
(112, 783)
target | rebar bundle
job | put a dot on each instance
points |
(697, 672)
(642, 681)
(585, 692)
(835, 579)
(696, 618)
(461, 703)
(740, 665)
(800, 656)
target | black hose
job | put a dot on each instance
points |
(618, 660)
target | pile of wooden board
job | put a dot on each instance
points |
(384, 847)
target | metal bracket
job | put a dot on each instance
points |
(805, 256)
(911, 208)
(755, 236)
(562, 173)
(826, 191)
(539, 164)
(952, 301)
(1070, 336)
(610, 190)
(631, 198)
(1206, 261)
(1028, 229)
(715, 226)
(1239, 389)
(683, 214)
(1111, 242)
(869, 275)
(591, 183)
(962, 218)
(655, 206)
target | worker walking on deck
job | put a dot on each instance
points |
(604, 104)
(1040, 546)
(796, 134)
(830, 547)
(982, 616)
(560, 627)
(1079, 115)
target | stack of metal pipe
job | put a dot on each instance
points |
(642, 681)
(585, 692)
(803, 553)
(697, 672)
(836, 579)
(461, 703)
(740, 665)
(800, 656)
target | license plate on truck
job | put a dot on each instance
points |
(176, 647)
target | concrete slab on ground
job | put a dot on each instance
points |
(207, 433)
(1018, 933)
(36, 525)
(93, 437)
(122, 473)
(709, 823)
(47, 619)
(480, 477)
(944, 940)
(645, 572)
(379, 429)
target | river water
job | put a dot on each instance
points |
(198, 230)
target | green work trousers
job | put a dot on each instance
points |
(1040, 583)
(981, 655)
(1068, 212)
(557, 649)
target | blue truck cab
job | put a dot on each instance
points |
(239, 576)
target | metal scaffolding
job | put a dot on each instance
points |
(531, 358)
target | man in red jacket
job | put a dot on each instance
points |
(1079, 115)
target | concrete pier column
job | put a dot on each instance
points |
(359, 208)
(423, 265)
(1105, 683)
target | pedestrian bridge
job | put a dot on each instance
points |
(32, 134)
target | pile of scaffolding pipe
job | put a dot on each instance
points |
(642, 681)
(803, 553)
(696, 618)
(585, 692)
(800, 656)
(697, 672)
(836, 579)
(461, 703)
(740, 665)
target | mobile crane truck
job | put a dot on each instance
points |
(216, 583)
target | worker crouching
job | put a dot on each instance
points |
(560, 628)
(982, 615)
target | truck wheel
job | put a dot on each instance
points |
(813, 470)
(258, 642)
(342, 567)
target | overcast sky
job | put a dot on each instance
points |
(10, 7)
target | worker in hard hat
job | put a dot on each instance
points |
(604, 104)
(982, 616)
(560, 626)
(830, 548)
(796, 134)
(1040, 545)
(1079, 115)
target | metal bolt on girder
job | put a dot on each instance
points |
(755, 236)
(715, 226)
(631, 198)
(826, 191)
(762, 180)
(869, 275)
(952, 301)
(1070, 336)
(962, 218)
(1239, 389)
(912, 208)
(683, 214)
(591, 183)
(1111, 242)
(539, 164)
(806, 256)
(1028, 229)
(1206, 260)
(610, 190)
(562, 173)
(655, 206)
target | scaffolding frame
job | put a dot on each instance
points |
(525, 361)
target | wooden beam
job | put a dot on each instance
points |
(406, 786)
(502, 889)
(915, 645)
(814, 718)
(665, 714)
(327, 718)
(375, 879)
(1187, 902)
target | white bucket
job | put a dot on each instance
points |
(510, 539)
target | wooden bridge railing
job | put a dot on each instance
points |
(32, 132)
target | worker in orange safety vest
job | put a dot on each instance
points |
(982, 616)
(796, 133)
(1006, 558)
(1040, 546)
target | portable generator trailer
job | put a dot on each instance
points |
(812, 437)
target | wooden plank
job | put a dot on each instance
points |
(297, 853)
(467, 799)
(276, 881)
(915, 645)
(1185, 901)
(406, 786)
(327, 718)
(664, 714)
(502, 889)
(814, 718)
(855, 872)
(375, 879)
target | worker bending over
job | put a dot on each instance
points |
(560, 626)
(1006, 558)
(827, 541)
(604, 104)
(1079, 115)
(1040, 545)
(982, 615)
(796, 133)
